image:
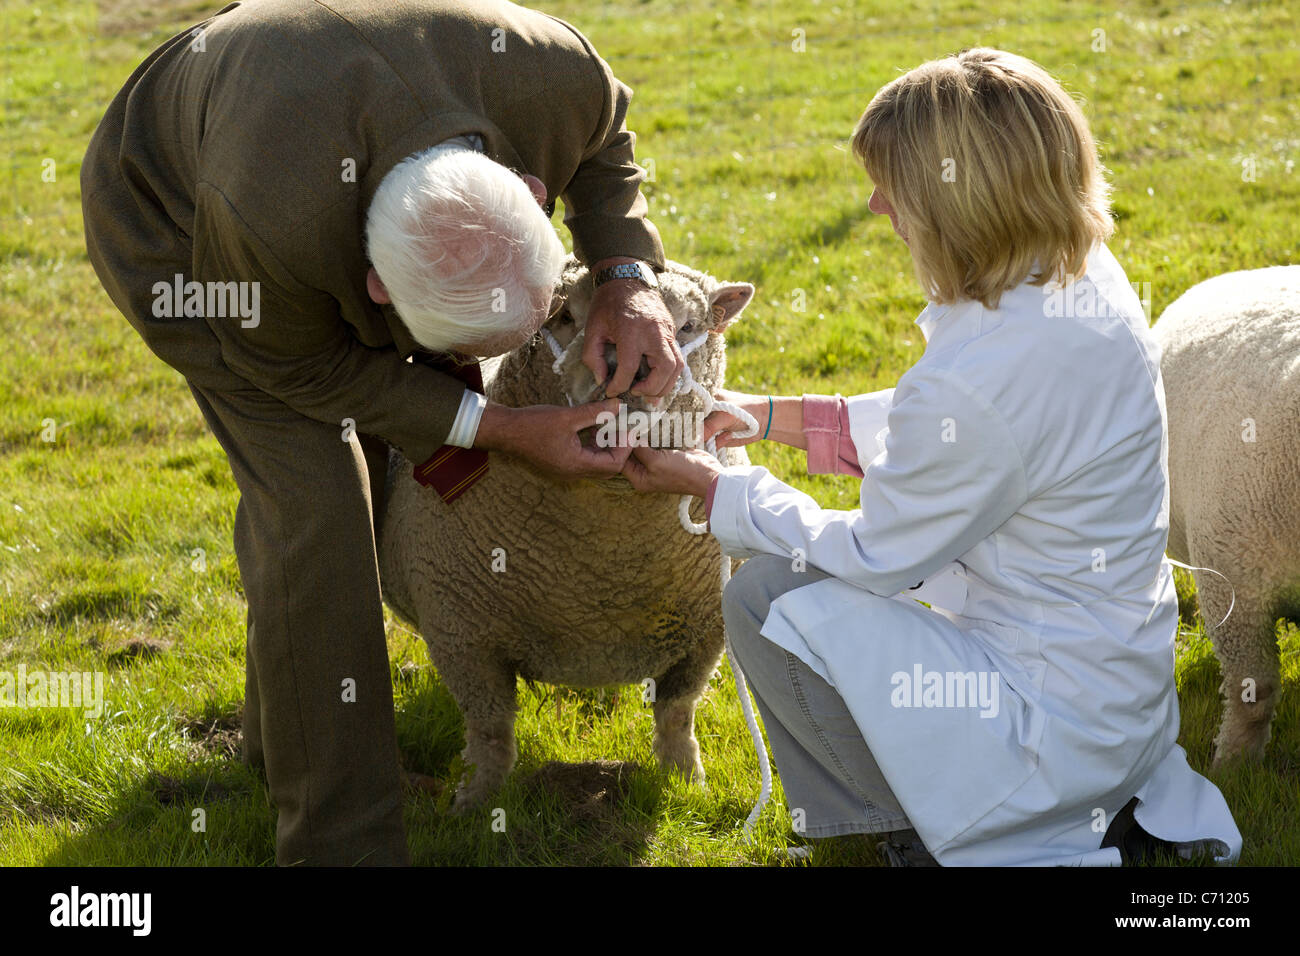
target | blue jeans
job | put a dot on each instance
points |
(825, 766)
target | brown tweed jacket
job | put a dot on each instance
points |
(254, 143)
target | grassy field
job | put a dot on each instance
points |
(115, 537)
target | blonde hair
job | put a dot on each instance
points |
(992, 171)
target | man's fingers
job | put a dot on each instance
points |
(593, 355)
(662, 376)
(636, 473)
(584, 416)
(629, 360)
(658, 382)
(604, 461)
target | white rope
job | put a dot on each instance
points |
(561, 354)
(1231, 604)
(711, 404)
(755, 735)
(687, 382)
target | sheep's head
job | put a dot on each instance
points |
(701, 307)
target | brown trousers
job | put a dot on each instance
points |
(318, 706)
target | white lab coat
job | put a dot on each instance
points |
(1020, 469)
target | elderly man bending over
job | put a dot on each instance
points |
(265, 203)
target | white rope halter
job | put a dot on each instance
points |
(687, 382)
(711, 404)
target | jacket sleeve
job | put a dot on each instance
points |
(604, 208)
(298, 348)
(949, 476)
(868, 421)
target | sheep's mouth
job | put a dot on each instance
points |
(676, 429)
(599, 391)
(582, 387)
(672, 421)
(675, 421)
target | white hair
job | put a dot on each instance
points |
(463, 248)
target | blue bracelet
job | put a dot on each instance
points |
(769, 418)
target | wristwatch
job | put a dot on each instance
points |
(627, 270)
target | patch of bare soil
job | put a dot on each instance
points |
(169, 790)
(589, 792)
(138, 648)
(587, 823)
(221, 736)
(423, 784)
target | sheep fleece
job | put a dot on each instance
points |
(1231, 368)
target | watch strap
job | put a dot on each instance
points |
(627, 270)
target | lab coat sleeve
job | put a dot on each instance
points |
(949, 475)
(868, 418)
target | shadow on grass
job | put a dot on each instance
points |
(216, 811)
(214, 815)
(553, 813)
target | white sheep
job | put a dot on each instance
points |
(1231, 368)
(582, 583)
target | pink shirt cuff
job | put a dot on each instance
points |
(826, 428)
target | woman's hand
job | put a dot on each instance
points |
(688, 472)
(725, 425)
(785, 427)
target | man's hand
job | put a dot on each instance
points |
(634, 318)
(688, 472)
(547, 436)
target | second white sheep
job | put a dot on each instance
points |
(1231, 367)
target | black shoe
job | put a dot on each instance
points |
(1136, 846)
(1139, 848)
(904, 848)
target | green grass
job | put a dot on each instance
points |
(115, 538)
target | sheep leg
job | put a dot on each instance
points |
(1246, 647)
(675, 745)
(677, 693)
(484, 689)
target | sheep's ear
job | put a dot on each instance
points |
(727, 301)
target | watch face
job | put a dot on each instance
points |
(648, 275)
(628, 270)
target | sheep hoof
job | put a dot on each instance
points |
(475, 789)
(685, 761)
(467, 799)
(1240, 744)
(695, 774)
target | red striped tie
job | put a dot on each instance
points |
(451, 470)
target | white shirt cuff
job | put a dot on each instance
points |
(465, 428)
